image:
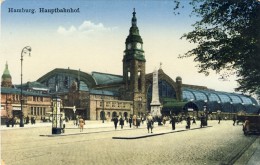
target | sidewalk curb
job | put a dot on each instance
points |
(156, 134)
(3, 128)
(234, 156)
(80, 133)
(128, 129)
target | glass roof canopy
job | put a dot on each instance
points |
(219, 101)
(220, 97)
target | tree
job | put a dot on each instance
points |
(227, 37)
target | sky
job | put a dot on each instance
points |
(93, 39)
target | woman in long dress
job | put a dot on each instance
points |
(81, 124)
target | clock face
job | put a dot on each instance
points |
(139, 45)
(129, 46)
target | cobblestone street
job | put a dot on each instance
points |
(218, 144)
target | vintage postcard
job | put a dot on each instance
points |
(102, 82)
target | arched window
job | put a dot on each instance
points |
(165, 91)
(114, 114)
(139, 81)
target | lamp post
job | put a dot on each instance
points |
(25, 50)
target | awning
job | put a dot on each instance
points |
(174, 106)
(16, 108)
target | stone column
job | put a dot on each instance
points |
(155, 104)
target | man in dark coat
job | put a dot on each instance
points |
(202, 121)
(115, 122)
(138, 122)
(188, 122)
(27, 119)
(121, 122)
(130, 121)
(219, 118)
(149, 121)
(234, 120)
(173, 121)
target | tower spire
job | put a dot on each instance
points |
(134, 20)
(6, 77)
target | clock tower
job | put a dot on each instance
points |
(134, 69)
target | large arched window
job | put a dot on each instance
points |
(165, 91)
(187, 95)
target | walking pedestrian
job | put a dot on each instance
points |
(121, 122)
(27, 119)
(31, 119)
(149, 122)
(193, 120)
(173, 121)
(115, 122)
(202, 121)
(188, 122)
(81, 124)
(130, 120)
(234, 120)
(138, 121)
(164, 120)
(63, 124)
(77, 120)
(134, 120)
(13, 120)
(219, 118)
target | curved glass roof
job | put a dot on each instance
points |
(105, 78)
(214, 97)
(235, 99)
(220, 97)
(200, 95)
(224, 98)
(216, 100)
(188, 95)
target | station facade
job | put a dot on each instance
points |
(131, 93)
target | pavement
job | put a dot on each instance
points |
(252, 152)
(98, 127)
(251, 156)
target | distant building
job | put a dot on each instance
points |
(35, 103)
